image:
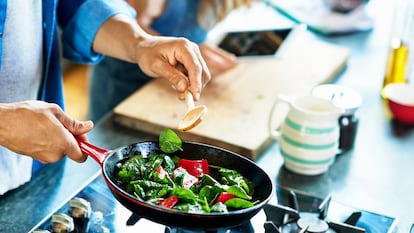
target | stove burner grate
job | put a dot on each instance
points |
(290, 219)
(246, 227)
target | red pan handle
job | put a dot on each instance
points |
(97, 153)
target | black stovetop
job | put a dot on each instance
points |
(108, 215)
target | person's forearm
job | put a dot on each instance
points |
(41, 130)
(157, 56)
(119, 37)
(4, 108)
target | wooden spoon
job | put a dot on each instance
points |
(194, 114)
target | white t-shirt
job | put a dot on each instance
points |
(20, 77)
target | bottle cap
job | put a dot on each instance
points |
(79, 207)
(341, 96)
(62, 223)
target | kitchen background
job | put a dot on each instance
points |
(76, 91)
(76, 87)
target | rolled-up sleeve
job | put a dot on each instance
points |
(80, 20)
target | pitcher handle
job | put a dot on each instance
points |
(281, 100)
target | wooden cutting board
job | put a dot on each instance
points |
(239, 101)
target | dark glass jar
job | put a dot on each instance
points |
(80, 210)
(349, 101)
(62, 223)
(348, 125)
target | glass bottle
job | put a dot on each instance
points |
(400, 64)
(349, 101)
(80, 210)
(62, 223)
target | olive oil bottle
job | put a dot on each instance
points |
(397, 64)
(401, 55)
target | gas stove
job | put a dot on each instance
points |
(293, 212)
(299, 212)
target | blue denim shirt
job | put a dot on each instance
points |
(119, 79)
(79, 21)
(180, 19)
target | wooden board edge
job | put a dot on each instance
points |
(136, 124)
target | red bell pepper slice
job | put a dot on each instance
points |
(168, 202)
(195, 167)
(224, 196)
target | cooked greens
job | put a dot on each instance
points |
(181, 184)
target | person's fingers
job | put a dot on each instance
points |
(177, 76)
(228, 58)
(205, 76)
(164, 56)
(218, 60)
(196, 67)
(223, 54)
(75, 128)
(42, 161)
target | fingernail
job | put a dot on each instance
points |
(197, 96)
(87, 123)
(181, 85)
(83, 159)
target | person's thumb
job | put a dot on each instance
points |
(74, 126)
(80, 127)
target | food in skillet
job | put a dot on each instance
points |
(191, 186)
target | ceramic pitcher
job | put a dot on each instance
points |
(308, 135)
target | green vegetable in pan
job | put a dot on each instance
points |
(181, 184)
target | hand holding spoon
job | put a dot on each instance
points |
(194, 114)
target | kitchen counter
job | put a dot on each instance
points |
(376, 175)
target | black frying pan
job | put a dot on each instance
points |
(173, 218)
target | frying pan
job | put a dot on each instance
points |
(108, 159)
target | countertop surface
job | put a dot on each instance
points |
(376, 175)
